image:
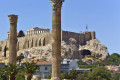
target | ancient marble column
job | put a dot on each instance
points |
(56, 45)
(13, 38)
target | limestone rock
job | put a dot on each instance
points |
(44, 53)
(97, 49)
(69, 50)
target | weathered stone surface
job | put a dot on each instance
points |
(44, 53)
(56, 34)
(42, 39)
(13, 38)
(96, 48)
(68, 50)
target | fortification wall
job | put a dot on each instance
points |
(43, 39)
(66, 35)
(81, 38)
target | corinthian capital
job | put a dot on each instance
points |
(57, 4)
(13, 18)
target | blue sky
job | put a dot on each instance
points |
(102, 16)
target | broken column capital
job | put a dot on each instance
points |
(13, 18)
(56, 4)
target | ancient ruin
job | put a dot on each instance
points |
(39, 45)
(56, 36)
(13, 38)
(37, 42)
(42, 38)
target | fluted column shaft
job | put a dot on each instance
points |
(13, 39)
(56, 45)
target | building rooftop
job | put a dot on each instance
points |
(44, 63)
(36, 28)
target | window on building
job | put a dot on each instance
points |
(46, 68)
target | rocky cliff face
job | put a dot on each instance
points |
(44, 53)
(96, 49)
(69, 51)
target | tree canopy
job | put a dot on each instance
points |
(21, 34)
(114, 59)
(99, 73)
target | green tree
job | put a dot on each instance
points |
(3, 76)
(116, 76)
(49, 77)
(11, 70)
(65, 76)
(62, 76)
(80, 62)
(21, 34)
(114, 59)
(82, 76)
(20, 57)
(115, 55)
(99, 73)
(30, 69)
(20, 76)
(73, 74)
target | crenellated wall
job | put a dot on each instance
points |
(43, 39)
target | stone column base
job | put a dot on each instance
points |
(55, 78)
(35, 77)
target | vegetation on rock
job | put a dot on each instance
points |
(114, 59)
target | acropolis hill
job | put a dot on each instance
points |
(40, 37)
(74, 45)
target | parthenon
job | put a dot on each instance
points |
(36, 30)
